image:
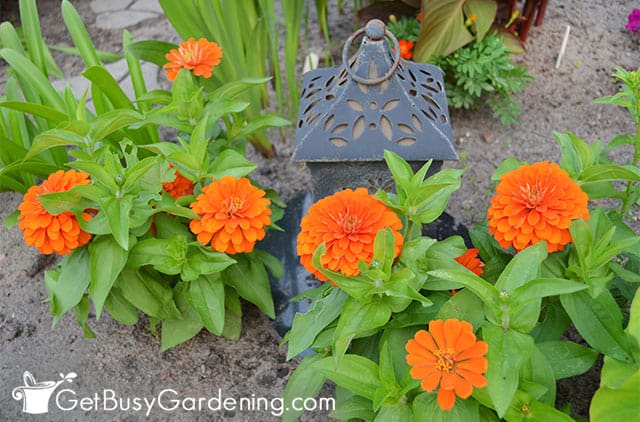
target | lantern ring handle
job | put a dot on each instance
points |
(380, 79)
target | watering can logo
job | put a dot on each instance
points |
(35, 395)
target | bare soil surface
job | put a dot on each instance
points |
(127, 359)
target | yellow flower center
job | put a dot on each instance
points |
(350, 224)
(445, 360)
(234, 204)
(533, 196)
(188, 55)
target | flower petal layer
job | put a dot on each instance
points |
(233, 215)
(200, 56)
(533, 203)
(470, 260)
(347, 222)
(448, 356)
(181, 186)
(59, 233)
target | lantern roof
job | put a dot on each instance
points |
(374, 101)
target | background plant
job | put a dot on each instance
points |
(478, 67)
(483, 72)
(520, 305)
(249, 33)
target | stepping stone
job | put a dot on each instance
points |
(147, 6)
(122, 19)
(101, 6)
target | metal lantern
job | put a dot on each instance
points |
(350, 114)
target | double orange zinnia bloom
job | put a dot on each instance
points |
(536, 202)
(347, 222)
(52, 233)
(448, 355)
(180, 187)
(200, 56)
(233, 215)
(406, 49)
(470, 260)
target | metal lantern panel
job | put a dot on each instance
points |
(373, 102)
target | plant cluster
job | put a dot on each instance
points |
(633, 21)
(435, 332)
(251, 32)
(162, 226)
(476, 61)
(407, 327)
(483, 72)
(406, 30)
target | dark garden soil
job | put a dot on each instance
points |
(128, 360)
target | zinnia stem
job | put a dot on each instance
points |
(408, 229)
(636, 157)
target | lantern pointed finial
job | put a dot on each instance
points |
(375, 29)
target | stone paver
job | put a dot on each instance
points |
(101, 6)
(147, 5)
(117, 15)
(122, 19)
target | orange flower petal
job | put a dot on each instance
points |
(436, 328)
(181, 186)
(201, 57)
(225, 206)
(470, 260)
(463, 388)
(536, 202)
(446, 399)
(347, 222)
(476, 379)
(59, 233)
(479, 349)
(430, 381)
(438, 357)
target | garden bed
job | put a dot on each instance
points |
(126, 359)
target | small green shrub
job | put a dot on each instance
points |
(483, 71)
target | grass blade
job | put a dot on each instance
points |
(105, 56)
(34, 77)
(79, 34)
(293, 10)
(9, 38)
(32, 33)
(101, 78)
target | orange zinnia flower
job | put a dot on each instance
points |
(347, 222)
(406, 49)
(200, 56)
(470, 260)
(419, 17)
(181, 186)
(536, 202)
(52, 233)
(233, 215)
(448, 355)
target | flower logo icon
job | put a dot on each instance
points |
(35, 395)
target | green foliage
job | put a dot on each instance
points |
(447, 26)
(520, 305)
(142, 257)
(455, 35)
(249, 34)
(620, 381)
(405, 28)
(483, 72)
(629, 98)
